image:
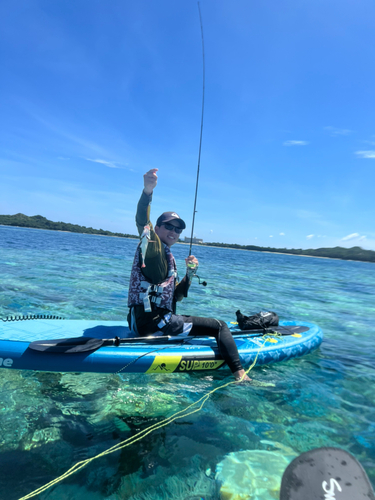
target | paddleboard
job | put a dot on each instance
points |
(139, 355)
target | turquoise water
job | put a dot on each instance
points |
(48, 422)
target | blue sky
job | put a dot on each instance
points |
(95, 93)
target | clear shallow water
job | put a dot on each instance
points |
(48, 422)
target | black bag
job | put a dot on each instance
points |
(259, 321)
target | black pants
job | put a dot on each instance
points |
(176, 324)
(211, 327)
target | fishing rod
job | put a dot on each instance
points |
(201, 133)
(193, 269)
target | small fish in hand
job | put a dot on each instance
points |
(145, 240)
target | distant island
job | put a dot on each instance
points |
(354, 253)
(39, 222)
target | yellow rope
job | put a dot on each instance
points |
(140, 435)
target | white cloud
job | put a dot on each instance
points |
(295, 143)
(337, 131)
(62, 158)
(282, 234)
(351, 237)
(365, 154)
(109, 164)
(271, 235)
(310, 236)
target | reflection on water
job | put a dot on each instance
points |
(49, 422)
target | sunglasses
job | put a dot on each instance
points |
(171, 227)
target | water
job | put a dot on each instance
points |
(48, 422)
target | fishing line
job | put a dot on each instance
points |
(182, 342)
(189, 410)
(203, 399)
(201, 134)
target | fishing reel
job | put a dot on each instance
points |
(191, 272)
(204, 283)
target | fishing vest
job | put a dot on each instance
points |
(142, 291)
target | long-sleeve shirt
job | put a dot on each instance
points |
(156, 269)
(156, 265)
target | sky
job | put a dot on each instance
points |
(94, 93)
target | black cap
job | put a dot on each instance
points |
(168, 216)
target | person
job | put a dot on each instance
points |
(154, 289)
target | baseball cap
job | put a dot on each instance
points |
(168, 216)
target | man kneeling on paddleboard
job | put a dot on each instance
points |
(154, 290)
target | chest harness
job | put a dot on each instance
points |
(142, 291)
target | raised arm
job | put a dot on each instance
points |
(150, 179)
(156, 264)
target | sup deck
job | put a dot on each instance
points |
(158, 355)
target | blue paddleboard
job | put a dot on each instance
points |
(150, 355)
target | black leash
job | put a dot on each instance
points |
(29, 316)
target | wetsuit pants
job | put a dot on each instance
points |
(175, 324)
(202, 327)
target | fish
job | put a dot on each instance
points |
(145, 240)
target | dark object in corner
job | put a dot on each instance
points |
(261, 320)
(325, 473)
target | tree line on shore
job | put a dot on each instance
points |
(40, 222)
(354, 253)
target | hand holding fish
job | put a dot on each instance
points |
(145, 240)
(150, 179)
